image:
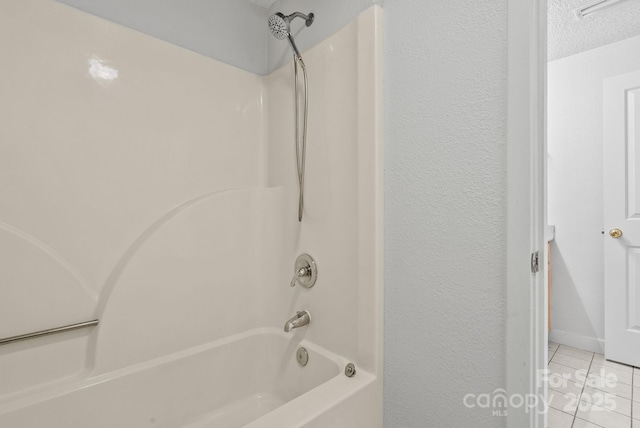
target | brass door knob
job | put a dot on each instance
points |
(615, 233)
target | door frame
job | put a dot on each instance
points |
(526, 314)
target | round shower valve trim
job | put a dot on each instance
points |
(305, 271)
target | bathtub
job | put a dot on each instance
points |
(248, 380)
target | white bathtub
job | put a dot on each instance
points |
(251, 379)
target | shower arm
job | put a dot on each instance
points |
(308, 19)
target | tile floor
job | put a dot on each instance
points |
(587, 391)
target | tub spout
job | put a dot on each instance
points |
(300, 319)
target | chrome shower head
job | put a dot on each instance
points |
(279, 23)
(280, 26)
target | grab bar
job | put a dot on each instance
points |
(49, 331)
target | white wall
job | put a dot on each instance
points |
(445, 163)
(575, 194)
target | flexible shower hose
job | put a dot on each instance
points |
(300, 157)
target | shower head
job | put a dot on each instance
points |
(279, 23)
(280, 26)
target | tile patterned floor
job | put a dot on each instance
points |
(587, 391)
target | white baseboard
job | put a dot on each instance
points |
(590, 344)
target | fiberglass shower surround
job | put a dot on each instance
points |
(191, 281)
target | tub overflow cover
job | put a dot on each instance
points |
(302, 356)
(350, 370)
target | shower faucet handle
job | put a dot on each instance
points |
(301, 273)
(305, 271)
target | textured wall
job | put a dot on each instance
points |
(575, 196)
(445, 131)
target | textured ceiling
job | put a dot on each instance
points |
(568, 35)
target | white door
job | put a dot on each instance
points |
(621, 153)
